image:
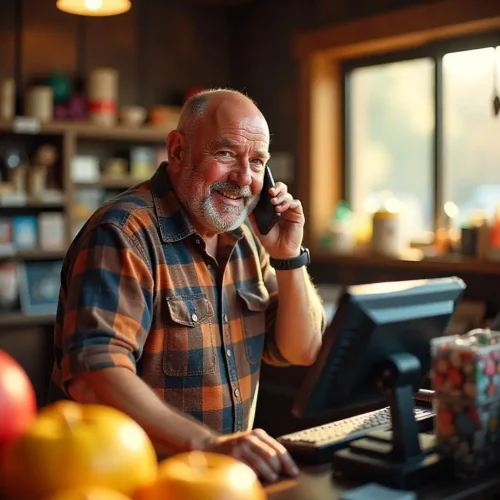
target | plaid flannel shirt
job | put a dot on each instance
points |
(139, 290)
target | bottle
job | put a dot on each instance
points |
(387, 237)
(341, 229)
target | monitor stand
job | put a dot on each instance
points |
(401, 458)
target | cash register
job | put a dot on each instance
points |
(376, 351)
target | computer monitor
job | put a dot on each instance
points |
(377, 351)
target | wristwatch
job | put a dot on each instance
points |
(303, 259)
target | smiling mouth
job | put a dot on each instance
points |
(229, 196)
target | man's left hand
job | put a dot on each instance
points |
(285, 238)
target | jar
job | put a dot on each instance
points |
(387, 233)
(7, 99)
(39, 103)
(103, 96)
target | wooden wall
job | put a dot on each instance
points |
(159, 47)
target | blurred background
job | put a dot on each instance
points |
(384, 121)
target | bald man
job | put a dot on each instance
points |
(170, 300)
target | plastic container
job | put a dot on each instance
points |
(387, 234)
(466, 381)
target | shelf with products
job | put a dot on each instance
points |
(31, 126)
(102, 169)
(93, 163)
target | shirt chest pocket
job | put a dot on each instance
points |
(255, 301)
(189, 336)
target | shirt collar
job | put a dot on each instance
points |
(173, 221)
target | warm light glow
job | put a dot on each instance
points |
(451, 210)
(241, 477)
(94, 7)
(93, 4)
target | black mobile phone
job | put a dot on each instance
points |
(265, 212)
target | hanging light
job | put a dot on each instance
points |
(94, 7)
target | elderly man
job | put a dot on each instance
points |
(169, 300)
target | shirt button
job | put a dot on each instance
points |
(209, 266)
(229, 353)
(237, 393)
(198, 241)
(224, 318)
(194, 317)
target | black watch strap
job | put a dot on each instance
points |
(288, 264)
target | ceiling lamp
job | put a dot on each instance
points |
(94, 7)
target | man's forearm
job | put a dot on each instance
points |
(299, 318)
(169, 430)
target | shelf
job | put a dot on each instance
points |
(20, 319)
(451, 264)
(34, 255)
(86, 130)
(33, 203)
(110, 183)
(120, 133)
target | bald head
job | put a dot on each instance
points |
(216, 105)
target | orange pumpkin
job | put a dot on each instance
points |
(203, 476)
(73, 446)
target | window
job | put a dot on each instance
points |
(423, 128)
(391, 130)
(471, 132)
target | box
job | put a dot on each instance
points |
(51, 231)
(466, 381)
(24, 231)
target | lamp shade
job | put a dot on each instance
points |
(94, 7)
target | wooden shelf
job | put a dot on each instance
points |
(120, 133)
(35, 255)
(86, 130)
(449, 264)
(40, 254)
(20, 319)
(72, 136)
(33, 203)
(110, 183)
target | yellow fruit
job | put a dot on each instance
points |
(203, 476)
(72, 446)
(88, 494)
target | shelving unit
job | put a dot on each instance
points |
(453, 264)
(70, 137)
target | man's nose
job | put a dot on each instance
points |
(242, 175)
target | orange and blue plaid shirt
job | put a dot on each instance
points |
(139, 290)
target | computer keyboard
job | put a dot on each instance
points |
(316, 445)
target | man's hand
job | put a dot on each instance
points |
(285, 238)
(257, 449)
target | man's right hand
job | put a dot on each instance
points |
(268, 458)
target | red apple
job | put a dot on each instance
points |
(17, 400)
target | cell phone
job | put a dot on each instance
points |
(265, 212)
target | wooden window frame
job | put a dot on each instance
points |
(323, 52)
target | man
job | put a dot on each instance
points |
(169, 301)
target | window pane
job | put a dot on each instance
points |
(391, 138)
(471, 131)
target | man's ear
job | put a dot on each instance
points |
(176, 150)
